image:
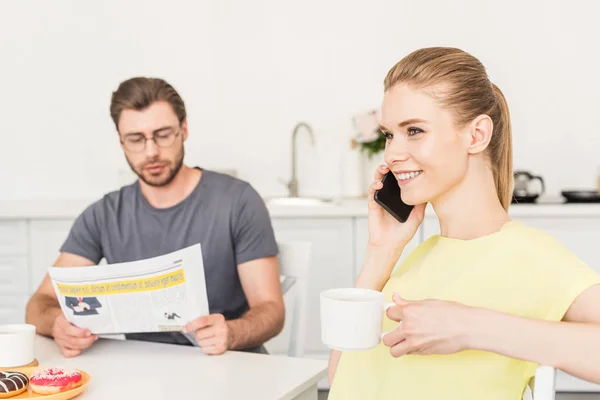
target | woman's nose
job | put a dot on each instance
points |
(396, 150)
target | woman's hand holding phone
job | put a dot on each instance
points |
(387, 238)
(385, 231)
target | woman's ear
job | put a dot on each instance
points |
(480, 130)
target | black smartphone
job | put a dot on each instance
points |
(389, 198)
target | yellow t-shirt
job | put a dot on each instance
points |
(518, 270)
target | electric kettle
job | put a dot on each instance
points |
(522, 187)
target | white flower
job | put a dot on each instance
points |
(366, 126)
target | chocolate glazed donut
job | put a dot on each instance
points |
(12, 383)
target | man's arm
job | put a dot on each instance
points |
(265, 318)
(43, 308)
(258, 270)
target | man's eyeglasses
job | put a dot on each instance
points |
(136, 142)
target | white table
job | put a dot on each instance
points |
(142, 370)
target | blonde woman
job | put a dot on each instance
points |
(488, 299)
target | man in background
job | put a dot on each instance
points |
(169, 207)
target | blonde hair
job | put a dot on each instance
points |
(468, 92)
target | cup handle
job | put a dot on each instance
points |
(385, 308)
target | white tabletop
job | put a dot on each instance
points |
(142, 370)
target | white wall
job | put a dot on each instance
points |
(249, 70)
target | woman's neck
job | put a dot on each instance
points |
(176, 191)
(471, 209)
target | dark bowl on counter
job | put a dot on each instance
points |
(581, 196)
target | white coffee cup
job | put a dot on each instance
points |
(17, 345)
(352, 319)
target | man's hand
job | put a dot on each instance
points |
(70, 339)
(211, 332)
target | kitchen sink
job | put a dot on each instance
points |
(298, 201)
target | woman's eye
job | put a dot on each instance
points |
(413, 131)
(387, 135)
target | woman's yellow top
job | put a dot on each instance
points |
(518, 270)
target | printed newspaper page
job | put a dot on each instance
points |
(152, 295)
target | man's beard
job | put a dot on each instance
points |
(157, 181)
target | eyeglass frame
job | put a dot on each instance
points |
(153, 138)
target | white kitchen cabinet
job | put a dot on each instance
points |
(14, 271)
(361, 238)
(14, 275)
(332, 265)
(27, 249)
(46, 236)
(13, 237)
(12, 308)
(14, 279)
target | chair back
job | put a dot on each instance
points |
(543, 385)
(294, 264)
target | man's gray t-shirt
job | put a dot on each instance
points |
(224, 214)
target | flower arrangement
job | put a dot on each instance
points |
(369, 138)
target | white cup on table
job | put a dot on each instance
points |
(17, 345)
(352, 318)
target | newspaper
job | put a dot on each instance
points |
(152, 295)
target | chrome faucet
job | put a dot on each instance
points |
(292, 185)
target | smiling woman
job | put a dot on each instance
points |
(433, 142)
(464, 297)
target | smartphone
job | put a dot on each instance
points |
(389, 198)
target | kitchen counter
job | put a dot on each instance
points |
(71, 208)
(358, 208)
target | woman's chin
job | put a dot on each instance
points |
(408, 199)
(412, 199)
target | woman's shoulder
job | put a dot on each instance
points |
(516, 240)
(542, 248)
(514, 235)
(552, 270)
(532, 239)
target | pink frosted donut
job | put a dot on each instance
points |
(54, 380)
